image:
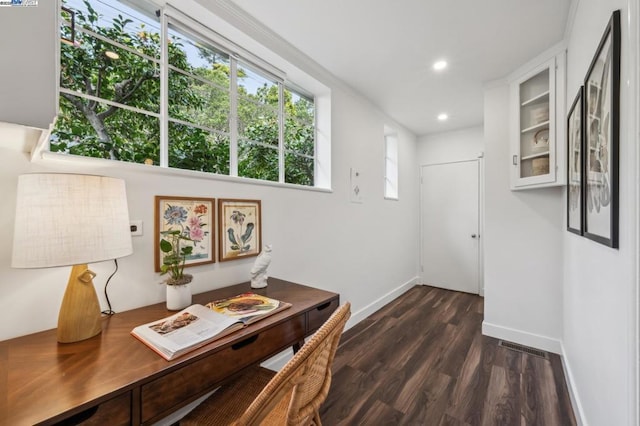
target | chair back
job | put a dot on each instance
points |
(303, 383)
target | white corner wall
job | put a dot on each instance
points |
(600, 284)
(522, 243)
(367, 252)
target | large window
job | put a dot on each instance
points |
(138, 88)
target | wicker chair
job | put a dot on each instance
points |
(290, 397)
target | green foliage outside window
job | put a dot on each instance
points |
(110, 105)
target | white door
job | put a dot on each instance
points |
(450, 218)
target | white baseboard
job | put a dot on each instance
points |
(385, 299)
(518, 336)
(278, 361)
(573, 391)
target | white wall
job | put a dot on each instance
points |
(457, 145)
(367, 252)
(522, 243)
(600, 284)
(26, 95)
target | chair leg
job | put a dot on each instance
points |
(316, 419)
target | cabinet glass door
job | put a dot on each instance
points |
(535, 125)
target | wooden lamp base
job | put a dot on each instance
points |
(79, 316)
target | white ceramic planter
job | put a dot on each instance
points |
(178, 296)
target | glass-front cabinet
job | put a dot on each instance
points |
(537, 123)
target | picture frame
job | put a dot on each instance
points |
(575, 164)
(195, 218)
(240, 229)
(601, 139)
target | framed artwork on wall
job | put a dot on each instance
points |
(575, 164)
(240, 228)
(601, 138)
(193, 218)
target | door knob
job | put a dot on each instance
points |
(474, 236)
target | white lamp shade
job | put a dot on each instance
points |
(70, 219)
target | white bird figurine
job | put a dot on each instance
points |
(259, 269)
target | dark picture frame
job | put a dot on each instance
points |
(194, 218)
(240, 228)
(601, 139)
(575, 164)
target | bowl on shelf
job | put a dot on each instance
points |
(540, 166)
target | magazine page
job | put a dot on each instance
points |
(247, 307)
(186, 329)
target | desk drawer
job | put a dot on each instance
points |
(320, 314)
(167, 393)
(116, 411)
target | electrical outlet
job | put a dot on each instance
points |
(136, 228)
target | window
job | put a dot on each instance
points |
(109, 85)
(258, 125)
(199, 103)
(129, 93)
(299, 138)
(390, 164)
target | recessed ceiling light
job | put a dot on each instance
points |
(442, 117)
(440, 65)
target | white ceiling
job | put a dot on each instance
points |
(384, 49)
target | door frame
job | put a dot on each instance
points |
(480, 161)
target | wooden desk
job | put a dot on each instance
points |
(120, 381)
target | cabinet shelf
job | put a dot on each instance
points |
(532, 156)
(536, 127)
(535, 99)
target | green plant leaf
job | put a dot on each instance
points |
(165, 246)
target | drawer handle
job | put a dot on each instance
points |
(79, 418)
(244, 343)
(323, 306)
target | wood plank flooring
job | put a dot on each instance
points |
(422, 360)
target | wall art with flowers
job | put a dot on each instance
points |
(194, 219)
(240, 228)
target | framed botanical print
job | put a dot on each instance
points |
(193, 220)
(575, 164)
(602, 118)
(240, 228)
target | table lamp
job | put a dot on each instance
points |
(71, 220)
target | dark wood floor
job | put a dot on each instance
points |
(422, 360)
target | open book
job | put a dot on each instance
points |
(198, 325)
(247, 307)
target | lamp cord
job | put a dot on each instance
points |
(109, 311)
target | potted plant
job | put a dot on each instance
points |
(175, 255)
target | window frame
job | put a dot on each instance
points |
(169, 15)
